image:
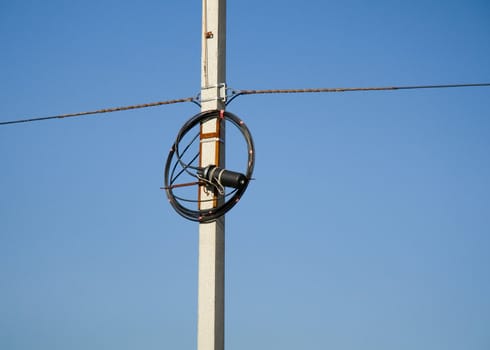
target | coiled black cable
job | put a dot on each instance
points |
(175, 159)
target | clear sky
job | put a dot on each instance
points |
(368, 224)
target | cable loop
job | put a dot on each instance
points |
(211, 176)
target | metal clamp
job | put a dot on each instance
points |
(212, 139)
(225, 94)
(221, 91)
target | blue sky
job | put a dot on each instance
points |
(368, 224)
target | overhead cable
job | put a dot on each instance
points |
(101, 111)
(235, 93)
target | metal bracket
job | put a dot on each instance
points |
(219, 90)
(224, 93)
(212, 139)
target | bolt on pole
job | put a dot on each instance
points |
(211, 279)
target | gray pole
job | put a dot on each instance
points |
(211, 284)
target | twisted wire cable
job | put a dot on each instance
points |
(236, 93)
(101, 111)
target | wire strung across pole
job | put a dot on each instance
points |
(236, 93)
(382, 88)
(253, 92)
(101, 111)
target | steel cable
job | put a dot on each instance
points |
(101, 111)
(236, 93)
(349, 89)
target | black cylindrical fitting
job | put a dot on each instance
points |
(231, 178)
(227, 178)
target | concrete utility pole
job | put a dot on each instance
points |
(211, 285)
